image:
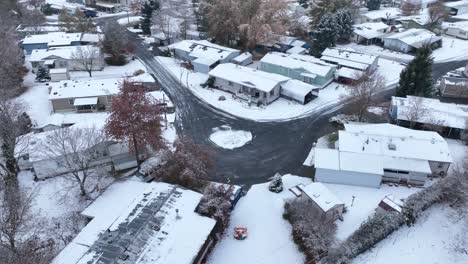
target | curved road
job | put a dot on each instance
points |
(276, 146)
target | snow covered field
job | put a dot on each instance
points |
(279, 110)
(269, 235)
(431, 241)
(228, 138)
(129, 20)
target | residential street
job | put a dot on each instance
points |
(276, 146)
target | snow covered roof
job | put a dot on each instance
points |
(431, 111)
(297, 89)
(91, 37)
(249, 77)
(327, 158)
(243, 57)
(53, 39)
(58, 70)
(421, 19)
(393, 141)
(415, 37)
(371, 30)
(393, 203)
(349, 58)
(384, 13)
(349, 73)
(161, 97)
(296, 50)
(61, 52)
(297, 61)
(463, 25)
(321, 195)
(204, 49)
(140, 220)
(84, 88)
(456, 4)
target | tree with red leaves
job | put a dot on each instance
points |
(135, 118)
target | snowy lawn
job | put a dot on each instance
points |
(111, 71)
(459, 153)
(452, 49)
(378, 110)
(365, 202)
(431, 240)
(279, 110)
(269, 235)
(129, 20)
(228, 138)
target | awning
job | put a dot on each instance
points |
(107, 5)
(49, 62)
(85, 101)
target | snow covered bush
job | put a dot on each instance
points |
(314, 235)
(215, 203)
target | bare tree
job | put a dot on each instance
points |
(165, 21)
(21, 231)
(184, 26)
(361, 95)
(77, 152)
(437, 14)
(415, 111)
(89, 58)
(115, 43)
(216, 203)
(222, 19)
(409, 8)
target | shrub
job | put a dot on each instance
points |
(138, 72)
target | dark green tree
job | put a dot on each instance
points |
(373, 4)
(416, 79)
(324, 35)
(344, 21)
(318, 8)
(147, 13)
(46, 9)
(42, 74)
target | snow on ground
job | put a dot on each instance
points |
(452, 49)
(378, 110)
(429, 241)
(365, 202)
(228, 138)
(269, 235)
(129, 20)
(279, 110)
(111, 71)
(459, 153)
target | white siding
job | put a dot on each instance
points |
(348, 178)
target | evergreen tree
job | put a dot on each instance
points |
(324, 35)
(344, 20)
(42, 74)
(416, 79)
(373, 4)
(319, 8)
(147, 13)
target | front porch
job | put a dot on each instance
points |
(88, 105)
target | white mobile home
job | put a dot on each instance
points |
(66, 57)
(456, 29)
(350, 59)
(370, 33)
(411, 40)
(369, 154)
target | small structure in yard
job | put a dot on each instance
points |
(411, 40)
(370, 33)
(388, 203)
(139, 223)
(387, 16)
(240, 233)
(244, 59)
(321, 198)
(420, 112)
(304, 68)
(422, 20)
(369, 154)
(203, 54)
(297, 50)
(454, 87)
(60, 74)
(350, 59)
(456, 29)
(276, 184)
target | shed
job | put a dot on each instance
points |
(389, 203)
(57, 75)
(321, 198)
(244, 59)
(299, 91)
(297, 50)
(204, 65)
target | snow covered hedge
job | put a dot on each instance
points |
(313, 235)
(382, 223)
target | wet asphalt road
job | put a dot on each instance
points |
(275, 147)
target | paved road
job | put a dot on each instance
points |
(276, 146)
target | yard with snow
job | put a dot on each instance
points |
(279, 110)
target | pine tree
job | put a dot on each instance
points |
(319, 8)
(373, 4)
(42, 74)
(147, 13)
(416, 79)
(345, 22)
(324, 35)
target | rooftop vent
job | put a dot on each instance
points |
(391, 146)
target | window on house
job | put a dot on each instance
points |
(71, 101)
(264, 95)
(272, 92)
(440, 165)
(230, 83)
(109, 98)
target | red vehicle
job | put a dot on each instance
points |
(240, 233)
